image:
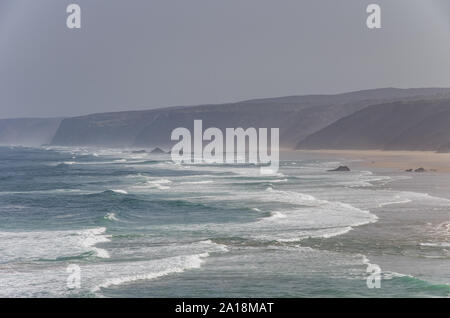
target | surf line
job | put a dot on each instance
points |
(239, 146)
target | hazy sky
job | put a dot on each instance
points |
(141, 54)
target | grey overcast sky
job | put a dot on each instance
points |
(142, 54)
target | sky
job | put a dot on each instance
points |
(143, 54)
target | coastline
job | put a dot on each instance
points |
(410, 238)
(395, 160)
(407, 241)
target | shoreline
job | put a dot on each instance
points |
(395, 160)
(409, 238)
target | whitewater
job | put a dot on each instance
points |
(138, 225)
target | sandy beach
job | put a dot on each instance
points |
(397, 160)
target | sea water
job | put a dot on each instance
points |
(139, 225)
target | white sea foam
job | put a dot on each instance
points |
(51, 245)
(426, 198)
(304, 215)
(158, 185)
(159, 181)
(111, 217)
(152, 269)
(279, 180)
(120, 191)
(247, 170)
(384, 275)
(439, 244)
(140, 248)
(12, 207)
(161, 184)
(25, 281)
(337, 231)
(90, 238)
(397, 200)
(198, 182)
(276, 215)
(51, 281)
(317, 218)
(307, 217)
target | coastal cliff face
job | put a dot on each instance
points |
(394, 119)
(296, 116)
(106, 129)
(414, 125)
(28, 131)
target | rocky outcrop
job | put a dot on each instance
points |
(418, 170)
(158, 151)
(340, 169)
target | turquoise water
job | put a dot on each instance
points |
(138, 225)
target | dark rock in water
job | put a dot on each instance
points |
(340, 168)
(139, 151)
(181, 152)
(417, 170)
(158, 150)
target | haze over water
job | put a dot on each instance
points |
(139, 225)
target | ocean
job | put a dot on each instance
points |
(138, 225)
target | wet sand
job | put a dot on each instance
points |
(396, 160)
